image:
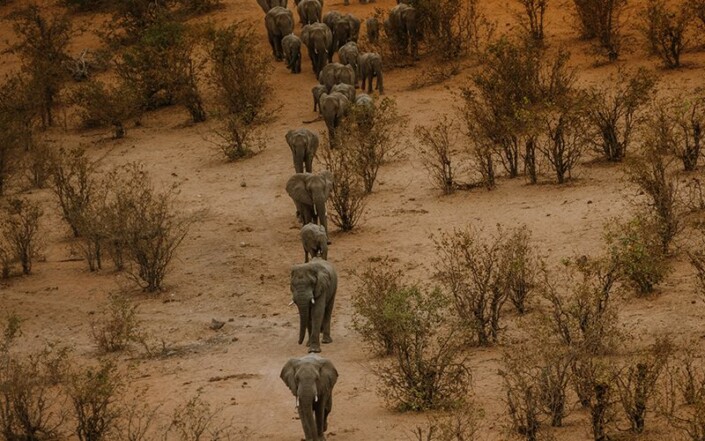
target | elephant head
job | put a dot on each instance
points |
(311, 380)
(310, 193)
(319, 42)
(303, 144)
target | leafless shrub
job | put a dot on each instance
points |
(42, 45)
(562, 143)
(614, 114)
(684, 396)
(666, 31)
(20, 229)
(37, 164)
(240, 140)
(484, 162)
(637, 382)
(696, 256)
(197, 421)
(678, 124)
(523, 266)
(118, 326)
(73, 183)
(373, 305)
(199, 6)
(348, 195)
(534, 11)
(522, 397)
(601, 19)
(428, 370)
(452, 28)
(461, 424)
(438, 152)
(94, 393)
(599, 386)
(474, 271)
(102, 105)
(435, 74)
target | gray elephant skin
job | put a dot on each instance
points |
(336, 73)
(303, 144)
(371, 67)
(345, 29)
(319, 41)
(313, 288)
(266, 5)
(345, 89)
(310, 11)
(334, 107)
(316, 92)
(349, 54)
(402, 27)
(372, 30)
(291, 45)
(279, 22)
(296, 2)
(315, 241)
(311, 380)
(310, 193)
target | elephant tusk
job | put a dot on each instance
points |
(290, 303)
(313, 300)
(315, 399)
(297, 402)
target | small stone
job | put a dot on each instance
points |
(589, 202)
(216, 324)
(243, 244)
(243, 184)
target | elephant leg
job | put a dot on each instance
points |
(317, 314)
(369, 84)
(298, 164)
(309, 432)
(326, 320)
(319, 410)
(272, 44)
(362, 85)
(309, 163)
(305, 255)
(327, 410)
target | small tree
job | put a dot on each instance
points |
(534, 11)
(73, 183)
(613, 114)
(103, 105)
(438, 151)
(666, 31)
(522, 265)
(684, 117)
(601, 20)
(20, 229)
(42, 46)
(94, 393)
(348, 194)
(196, 420)
(563, 143)
(118, 327)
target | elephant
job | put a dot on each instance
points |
(310, 192)
(319, 41)
(333, 107)
(345, 89)
(330, 18)
(371, 67)
(303, 144)
(266, 5)
(349, 54)
(313, 287)
(317, 91)
(336, 73)
(346, 28)
(372, 29)
(291, 46)
(315, 241)
(402, 26)
(296, 2)
(364, 100)
(279, 22)
(309, 11)
(311, 379)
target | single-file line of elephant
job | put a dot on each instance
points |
(314, 283)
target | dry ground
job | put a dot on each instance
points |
(235, 262)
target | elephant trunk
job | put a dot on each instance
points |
(304, 319)
(320, 206)
(307, 416)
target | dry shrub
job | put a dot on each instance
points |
(118, 327)
(562, 142)
(523, 267)
(94, 393)
(697, 8)
(102, 105)
(461, 424)
(439, 153)
(596, 388)
(677, 127)
(42, 47)
(428, 370)
(239, 73)
(601, 20)
(374, 305)
(20, 229)
(614, 113)
(637, 382)
(348, 194)
(197, 421)
(17, 113)
(666, 30)
(684, 396)
(160, 69)
(696, 256)
(532, 21)
(637, 247)
(131, 19)
(38, 164)
(73, 183)
(435, 74)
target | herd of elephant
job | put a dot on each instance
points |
(314, 283)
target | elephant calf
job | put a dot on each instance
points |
(311, 380)
(313, 288)
(315, 241)
(291, 45)
(303, 144)
(310, 194)
(371, 67)
(279, 22)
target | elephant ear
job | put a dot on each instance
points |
(290, 138)
(328, 177)
(323, 281)
(328, 374)
(296, 187)
(288, 374)
(305, 33)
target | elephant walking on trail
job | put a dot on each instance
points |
(349, 54)
(336, 73)
(317, 91)
(402, 27)
(303, 144)
(266, 5)
(310, 193)
(334, 107)
(310, 11)
(313, 288)
(291, 45)
(311, 380)
(315, 241)
(319, 42)
(371, 67)
(279, 23)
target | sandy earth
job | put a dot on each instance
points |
(235, 263)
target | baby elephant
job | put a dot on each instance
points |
(303, 144)
(315, 241)
(370, 64)
(291, 45)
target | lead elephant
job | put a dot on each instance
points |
(402, 27)
(311, 380)
(303, 144)
(291, 46)
(310, 192)
(279, 22)
(333, 107)
(309, 11)
(371, 67)
(313, 288)
(319, 41)
(266, 5)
